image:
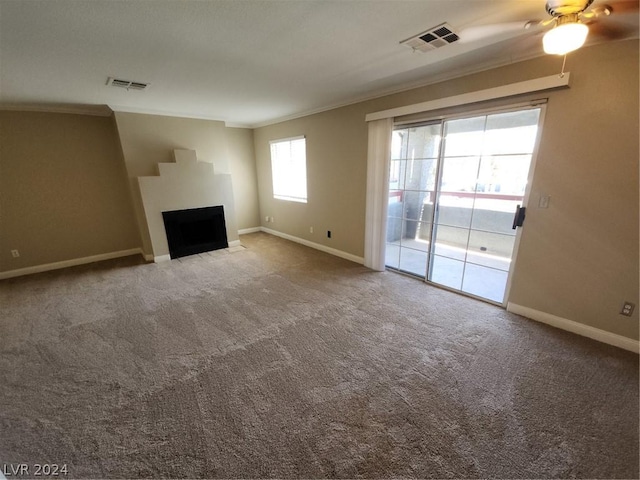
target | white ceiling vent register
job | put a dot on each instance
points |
(431, 39)
(128, 84)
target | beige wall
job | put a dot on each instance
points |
(150, 139)
(242, 166)
(578, 259)
(63, 189)
(336, 172)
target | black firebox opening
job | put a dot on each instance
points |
(195, 230)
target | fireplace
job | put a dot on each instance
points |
(193, 188)
(195, 230)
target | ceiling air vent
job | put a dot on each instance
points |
(431, 39)
(128, 84)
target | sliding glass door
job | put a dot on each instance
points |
(412, 191)
(454, 186)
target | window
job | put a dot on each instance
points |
(289, 169)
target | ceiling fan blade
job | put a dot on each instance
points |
(473, 34)
(606, 9)
(623, 6)
(611, 30)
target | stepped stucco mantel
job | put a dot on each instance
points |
(187, 183)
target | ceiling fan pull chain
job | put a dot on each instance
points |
(564, 60)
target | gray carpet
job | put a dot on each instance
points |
(281, 361)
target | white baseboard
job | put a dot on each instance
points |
(69, 263)
(244, 231)
(234, 243)
(575, 327)
(317, 246)
(149, 258)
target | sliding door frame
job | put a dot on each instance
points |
(441, 119)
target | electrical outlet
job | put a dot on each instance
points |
(627, 309)
(272, 220)
(15, 253)
(310, 229)
(266, 219)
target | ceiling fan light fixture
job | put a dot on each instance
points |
(565, 38)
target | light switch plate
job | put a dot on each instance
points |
(544, 201)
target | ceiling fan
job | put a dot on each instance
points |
(572, 21)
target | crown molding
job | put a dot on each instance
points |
(75, 109)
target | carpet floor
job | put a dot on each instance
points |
(276, 360)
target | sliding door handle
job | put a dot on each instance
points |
(518, 218)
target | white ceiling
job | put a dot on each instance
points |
(246, 62)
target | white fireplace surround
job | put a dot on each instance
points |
(187, 183)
